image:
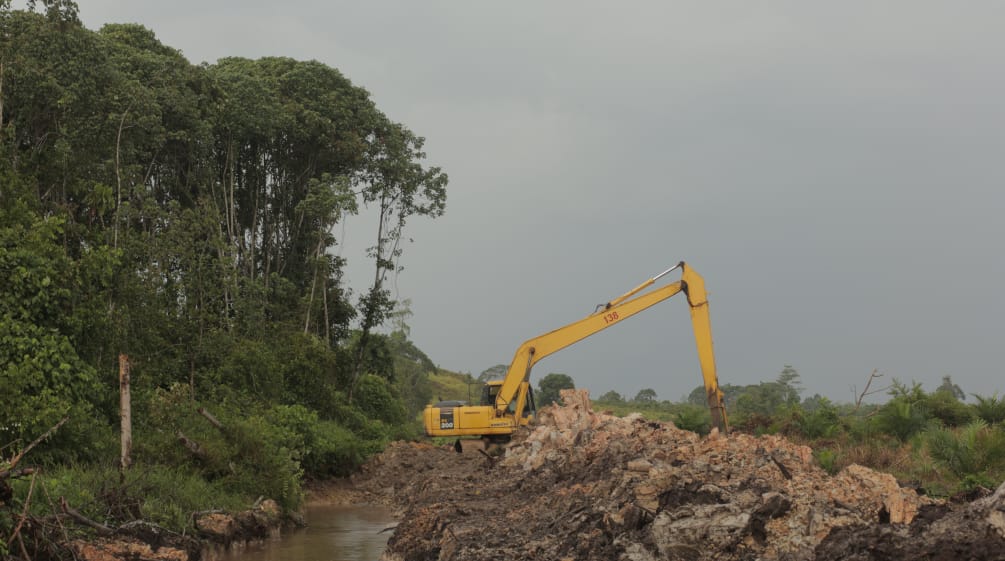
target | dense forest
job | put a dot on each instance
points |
(177, 220)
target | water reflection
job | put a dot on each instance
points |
(333, 533)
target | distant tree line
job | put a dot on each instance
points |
(934, 438)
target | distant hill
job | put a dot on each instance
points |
(453, 385)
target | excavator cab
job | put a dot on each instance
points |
(491, 390)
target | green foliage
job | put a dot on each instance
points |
(902, 418)
(42, 376)
(762, 400)
(931, 438)
(446, 385)
(947, 409)
(990, 409)
(549, 386)
(912, 410)
(254, 367)
(822, 422)
(164, 495)
(693, 418)
(333, 450)
(411, 373)
(183, 215)
(974, 453)
(611, 397)
(496, 372)
(828, 460)
(375, 397)
(951, 389)
(257, 452)
(645, 395)
(373, 352)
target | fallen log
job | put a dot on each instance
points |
(212, 420)
(6, 472)
(100, 528)
(193, 447)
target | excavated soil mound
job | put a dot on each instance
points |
(590, 486)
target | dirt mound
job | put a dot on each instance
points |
(583, 485)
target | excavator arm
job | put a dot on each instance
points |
(615, 311)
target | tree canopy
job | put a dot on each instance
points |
(549, 386)
(185, 215)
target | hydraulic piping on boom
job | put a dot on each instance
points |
(509, 403)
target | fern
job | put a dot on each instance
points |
(990, 409)
(975, 452)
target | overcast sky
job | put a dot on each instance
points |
(834, 170)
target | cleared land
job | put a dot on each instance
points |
(588, 486)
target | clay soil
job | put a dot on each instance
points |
(588, 486)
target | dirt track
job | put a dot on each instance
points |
(590, 486)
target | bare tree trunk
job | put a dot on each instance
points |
(314, 282)
(118, 175)
(212, 420)
(227, 198)
(125, 415)
(324, 288)
(858, 401)
(73, 513)
(1, 95)
(378, 282)
(254, 236)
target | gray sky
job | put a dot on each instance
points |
(833, 170)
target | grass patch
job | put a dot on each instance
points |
(448, 385)
(164, 495)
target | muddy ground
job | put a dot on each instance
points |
(587, 486)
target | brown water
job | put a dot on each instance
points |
(333, 533)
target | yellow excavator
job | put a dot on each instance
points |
(509, 403)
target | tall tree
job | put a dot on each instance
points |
(950, 388)
(493, 372)
(187, 217)
(646, 395)
(549, 386)
(395, 182)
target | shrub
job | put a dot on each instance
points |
(376, 398)
(336, 450)
(325, 448)
(901, 418)
(974, 453)
(693, 418)
(950, 411)
(251, 455)
(164, 495)
(990, 409)
(828, 460)
(263, 459)
(822, 422)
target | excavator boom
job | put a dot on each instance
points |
(507, 411)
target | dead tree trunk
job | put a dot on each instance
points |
(125, 414)
(192, 446)
(212, 420)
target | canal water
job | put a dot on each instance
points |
(333, 533)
